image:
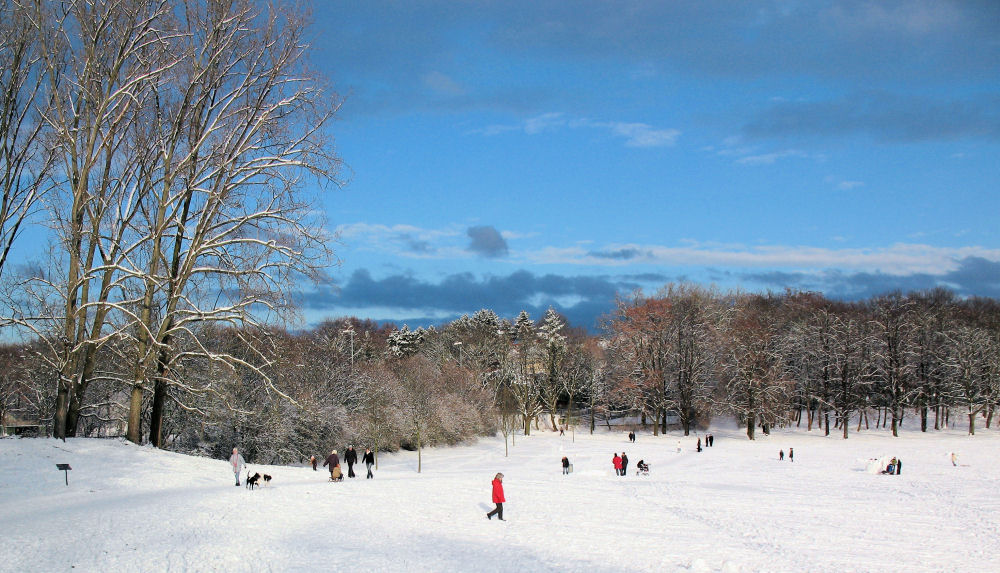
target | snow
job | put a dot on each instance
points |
(733, 507)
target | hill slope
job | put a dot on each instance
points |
(733, 507)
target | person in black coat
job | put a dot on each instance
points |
(899, 466)
(369, 460)
(624, 463)
(351, 458)
(565, 465)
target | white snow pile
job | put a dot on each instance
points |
(732, 507)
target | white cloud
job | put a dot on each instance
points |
(449, 243)
(898, 259)
(641, 134)
(442, 84)
(771, 158)
(635, 134)
(848, 185)
(403, 240)
(543, 122)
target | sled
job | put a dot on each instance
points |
(336, 474)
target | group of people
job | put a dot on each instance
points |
(332, 460)
(620, 463)
(350, 458)
(791, 455)
(709, 441)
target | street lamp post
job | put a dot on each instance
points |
(350, 332)
(459, 346)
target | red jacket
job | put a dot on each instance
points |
(498, 491)
(617, 462)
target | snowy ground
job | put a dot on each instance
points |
(733, 507)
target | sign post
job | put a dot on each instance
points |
(65, 468)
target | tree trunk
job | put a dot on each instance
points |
(134, 431)
(751, 423)
(156, 413)
(62, 406)
(73, 413)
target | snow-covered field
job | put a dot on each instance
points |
(733, 507)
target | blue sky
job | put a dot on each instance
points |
(517, 155)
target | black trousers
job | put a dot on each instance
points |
(350, 470)
(497, 512)
(624, 469)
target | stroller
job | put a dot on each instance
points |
(642, 468)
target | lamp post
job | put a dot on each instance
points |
(350, 332)
(459, 346)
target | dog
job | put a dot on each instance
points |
(252, 480)
(267, 479)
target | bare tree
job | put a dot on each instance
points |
(417, 399)
(24, 158)
(378, 395)
(670, 341)
(229, 228)
(969, 358)
(892, 325)
(100, 59)
(757, 389)
(582, 362)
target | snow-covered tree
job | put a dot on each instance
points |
(552, 347)
(527, 367)
(892, 351)
(404, 342)
(970, 362)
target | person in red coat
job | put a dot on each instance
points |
(497, 498)
(617, 462)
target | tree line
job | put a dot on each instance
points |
(675, 358)
(773, 358)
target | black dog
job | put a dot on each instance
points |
(267, 479)
(252, 480)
